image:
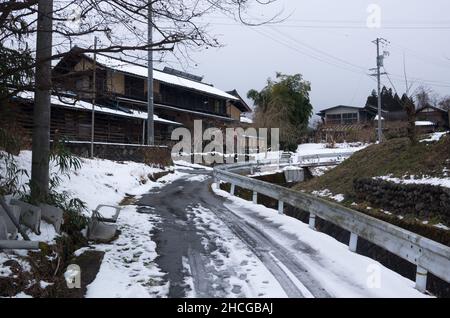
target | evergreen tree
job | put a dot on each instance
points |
(389, 100)
(284, 103)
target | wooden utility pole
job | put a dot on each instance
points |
(150, 123)
(42, 102)
(380, 118)
(94, 93)
(380, 64)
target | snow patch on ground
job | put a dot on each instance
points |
(99, 181)
(48, 234)
(188, 281)
(235, 266)
(320, 171)
(128, 268)
(443, 182)
(189, 165)
(328, 194)
(314, 149)
(435, 137)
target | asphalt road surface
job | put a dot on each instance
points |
(189, 248)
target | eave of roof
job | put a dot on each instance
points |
(183, 110)
(82, 105)
(245, 108)
(141, 71)
(433, 107)
(338, 106)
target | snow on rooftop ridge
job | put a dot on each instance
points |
(246, 120)
(124, 66)
(79, 104)
(424, 123)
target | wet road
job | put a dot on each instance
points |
(189, 245)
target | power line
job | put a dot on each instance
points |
(318, 50)
(321, 59)
(355, 27)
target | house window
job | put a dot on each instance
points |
(134, 87)
(217, 107)
(333, 119)
(350, 118)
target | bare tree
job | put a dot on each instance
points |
(425, 96)
(179, 26)
(444, 103)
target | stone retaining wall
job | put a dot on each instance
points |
(421, 200)
(152, 155)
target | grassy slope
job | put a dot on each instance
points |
(397, 156)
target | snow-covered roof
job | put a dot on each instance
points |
(376, 118)
(78, 104)
(246, 120)
(124, 66)
(424, 123)
(341, 106)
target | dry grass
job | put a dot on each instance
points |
(396, 156)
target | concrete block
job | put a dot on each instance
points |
(101, 232)
(30, 215)
(52, 215)
(294, 175)
(107, 213)
(10, 227)
(18, 245)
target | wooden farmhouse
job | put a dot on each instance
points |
(120, 102)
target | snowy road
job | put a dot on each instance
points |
(211, 246)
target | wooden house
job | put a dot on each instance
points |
(120, 101)
(435, 115)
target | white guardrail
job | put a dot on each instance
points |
(426, 254)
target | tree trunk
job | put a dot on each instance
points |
(43, 82)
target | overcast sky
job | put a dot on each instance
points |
(328, 41)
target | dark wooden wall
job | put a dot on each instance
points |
(74, 124)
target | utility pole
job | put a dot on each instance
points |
(380, 64)
(150, 124)
(94, 93)
(42, 102)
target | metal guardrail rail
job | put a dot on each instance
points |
(336, 157)
(426, 254)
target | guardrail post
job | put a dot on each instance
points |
(216, 181)
(312, 221)
(251, 169)
(255, 197)
(353, 242)
(232, 189)
(280, 207)
(421, 279)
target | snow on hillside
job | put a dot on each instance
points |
(435, 137)
(128, 268)
(309, 149)
(322, 148)
(443, 182)
(99, 181)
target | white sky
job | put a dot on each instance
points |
(335, 32)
